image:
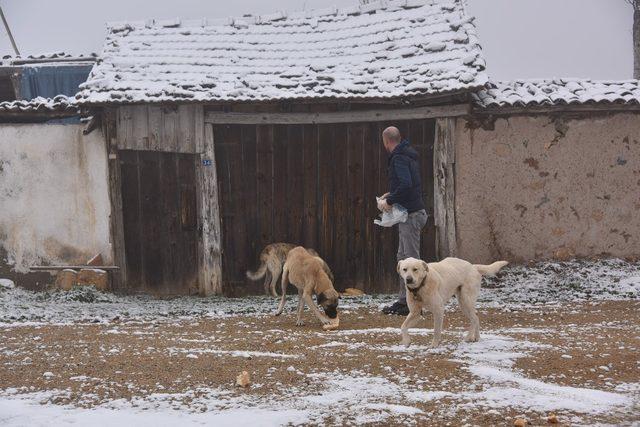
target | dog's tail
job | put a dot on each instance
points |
(491, 269)
(259, 274)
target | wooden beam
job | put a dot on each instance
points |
(210, 241)
(218, 117)
(155, 128)
(94, 122)
(461, 96)
(444, 188)
(158, 128)
(110, 123)
(33, 117)
(140, 128)
(124, 127)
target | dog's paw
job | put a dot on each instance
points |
(470, 338)
(406, 342)
(299, 323)
(277, 313)
(435, 344)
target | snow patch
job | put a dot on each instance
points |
(24, 410)
(512, 390)
(491, 361)
(7, 284)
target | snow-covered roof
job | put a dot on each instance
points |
(9, 60)
(58, 104)
(554, 92)
(385, 49)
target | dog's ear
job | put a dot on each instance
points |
(398, 266)
(425, 265)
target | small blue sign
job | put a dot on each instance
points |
(206, 162)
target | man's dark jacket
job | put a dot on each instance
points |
(405, 184)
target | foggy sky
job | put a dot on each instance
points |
(520, 38)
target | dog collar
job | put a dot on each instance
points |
(415, 290)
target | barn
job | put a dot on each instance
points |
(210, 139)
(225, 136)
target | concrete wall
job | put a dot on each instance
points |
(54, 204)
(538, 187)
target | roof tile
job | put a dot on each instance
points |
(58, 104)
(390, 49)
(529, 93)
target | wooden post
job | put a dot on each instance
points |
(209, 244)
(110, 124)
(444, 188)
(6, 27)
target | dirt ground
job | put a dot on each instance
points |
(588, 345)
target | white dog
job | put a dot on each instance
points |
(430, 286)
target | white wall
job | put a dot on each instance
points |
(54, 203)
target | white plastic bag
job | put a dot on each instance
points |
(396, 215)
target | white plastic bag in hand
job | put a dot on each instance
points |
(390, 218)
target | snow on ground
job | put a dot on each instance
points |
(7, 284)
(491, 380)
(27, 411)
(355, 398)
(491, 361)
(576, 280)
(542, 283)
(232, 353)
(19, 306)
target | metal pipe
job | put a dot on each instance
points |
(6, 26)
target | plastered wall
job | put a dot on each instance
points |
(540, 187)
(54, 204)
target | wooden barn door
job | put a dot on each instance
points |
(313, 185)
(160, 224)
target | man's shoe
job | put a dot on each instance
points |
(396, 308)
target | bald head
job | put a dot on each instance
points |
(391, 138)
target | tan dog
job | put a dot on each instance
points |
(306, 272)
(272, 259)
(430, 286)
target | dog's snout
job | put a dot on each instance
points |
(409, 279)
(331, 311)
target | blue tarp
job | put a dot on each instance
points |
(51, 80)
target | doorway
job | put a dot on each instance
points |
(159, 221)
(314, 185)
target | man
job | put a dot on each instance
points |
(405, 189)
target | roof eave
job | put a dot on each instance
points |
(602, 107)
(399, 100)
(35, 116)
